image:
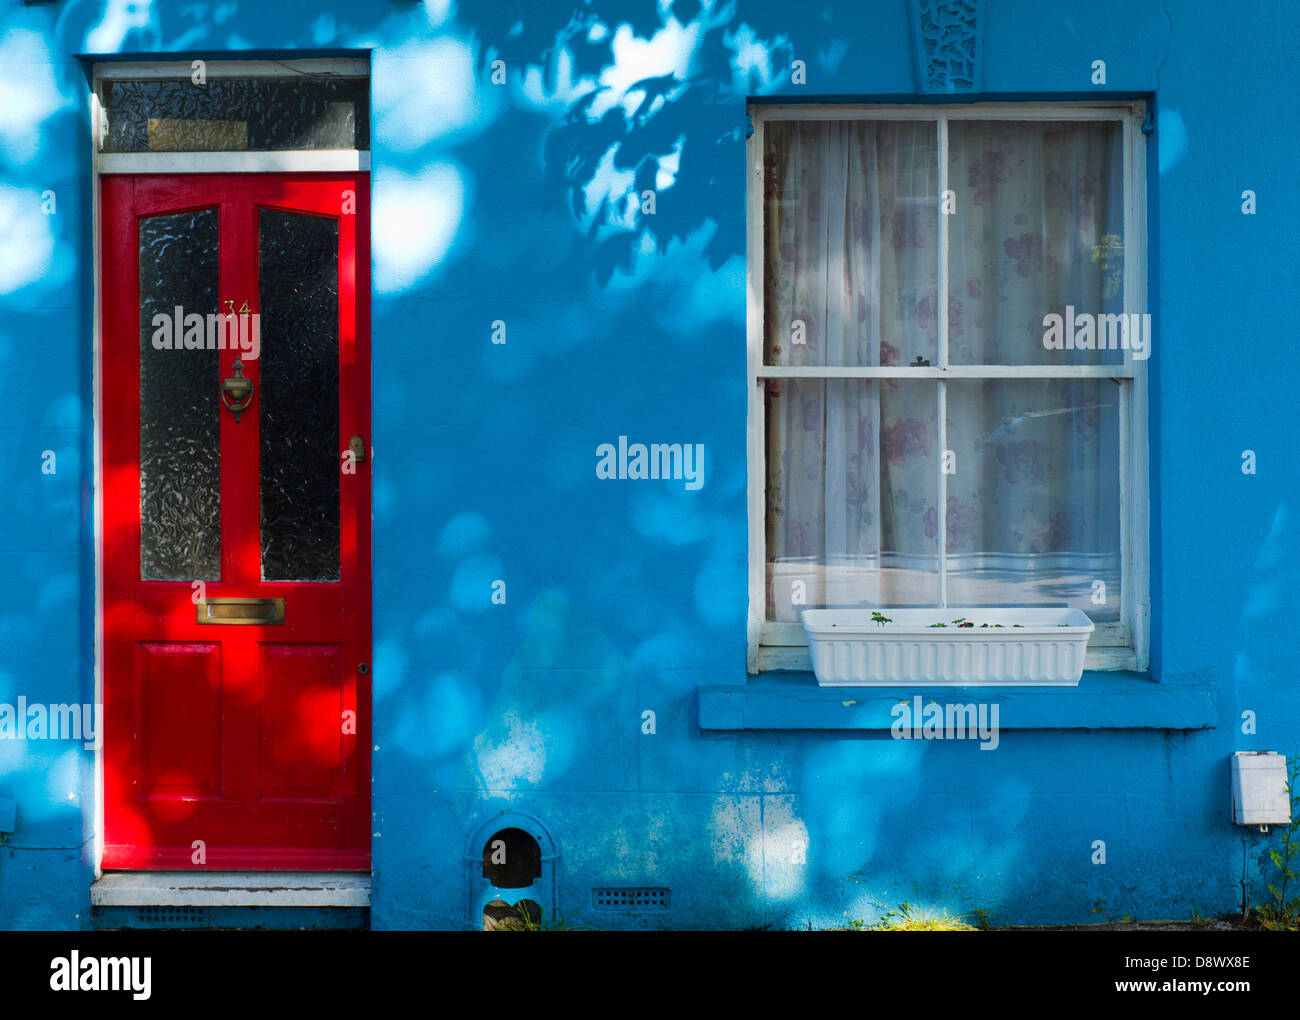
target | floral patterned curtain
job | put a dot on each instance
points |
(851, 237)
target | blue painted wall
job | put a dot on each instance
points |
(628, 597)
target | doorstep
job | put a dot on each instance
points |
(231, 889)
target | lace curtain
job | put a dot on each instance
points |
(851, 245)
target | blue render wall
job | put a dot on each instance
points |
(623, 597)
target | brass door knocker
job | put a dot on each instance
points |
(237, 392)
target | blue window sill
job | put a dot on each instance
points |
(1102, 701)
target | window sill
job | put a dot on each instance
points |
(1102, 701)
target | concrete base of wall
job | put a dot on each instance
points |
(231, 918)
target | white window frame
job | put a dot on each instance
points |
(1121, 645)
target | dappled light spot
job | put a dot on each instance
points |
(785, 851)
(416, 220)
(26, 239)
(472, 583)
(610, 195)
(668, 52)
(122, 18)
(427, 91)
(31, 94)
(442, 721)
(465, 533)
(752, 61)
(519, 759)
(1270, 553)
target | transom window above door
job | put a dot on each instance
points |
(948, 347)
(259, 114)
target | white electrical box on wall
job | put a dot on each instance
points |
(1259, 789)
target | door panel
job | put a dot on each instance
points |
(177, 681)
(235, 532)
(302, 749)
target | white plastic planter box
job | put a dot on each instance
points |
(849, 649)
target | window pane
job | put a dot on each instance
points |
(850, 242)
(180, 464)
(1038, 231)
(298, 273)
(852, 487)
(227, 114)
(1033, 512)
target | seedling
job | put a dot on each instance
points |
(541, 923)
(910, 918)
(963, 622)
(1284, 912)
(1100, 908)
(876, 617)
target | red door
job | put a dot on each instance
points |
(236, 524)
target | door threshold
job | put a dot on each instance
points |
(231, 889)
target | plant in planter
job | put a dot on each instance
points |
(864, 647)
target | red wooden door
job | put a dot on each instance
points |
(236, 525)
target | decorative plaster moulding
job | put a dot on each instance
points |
(947, 44)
